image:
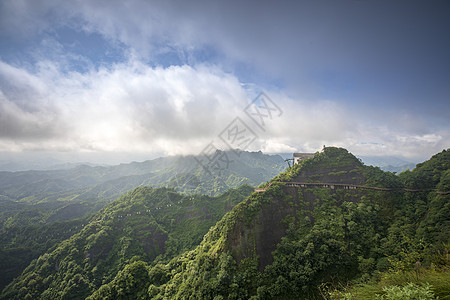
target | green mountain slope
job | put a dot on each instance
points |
(53, 194)
(38, 198)
(286, 242)
(146, 224)
(22, 244)
(325, 223)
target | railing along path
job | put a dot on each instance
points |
(345, 186)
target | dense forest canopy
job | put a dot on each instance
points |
(40, 209)
(285, 242)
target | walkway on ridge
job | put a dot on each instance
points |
(345, 186)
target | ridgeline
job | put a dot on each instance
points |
(297, 238)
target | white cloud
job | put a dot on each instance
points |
(134, 108)
(129, 107)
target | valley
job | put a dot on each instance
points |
(326, 223)
(40, 209)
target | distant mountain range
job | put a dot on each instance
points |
(388, 163)
(16, 165)
(322, 225)
(71, 193)
(41, 196)
(43, 207)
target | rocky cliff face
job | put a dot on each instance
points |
(263, 233)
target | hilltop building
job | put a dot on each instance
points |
(301, 156)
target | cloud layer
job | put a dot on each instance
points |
(167, 77)
(132, 107)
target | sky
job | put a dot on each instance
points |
(118, 81)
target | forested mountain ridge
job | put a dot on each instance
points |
(21, 185)
(145, 224)
(22, 244)
(291, 243)
(84, 189)
(34, 203)
(286, 242)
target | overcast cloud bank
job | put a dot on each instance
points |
(164, 78)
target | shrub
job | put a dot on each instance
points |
(411, 291)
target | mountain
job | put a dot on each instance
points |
(34, 203)
(22, 244)
(153, 225)
(70, 194)
(388, 163)
(322, 224)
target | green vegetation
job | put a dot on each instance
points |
(22, 244)
(37, 207)
(429, 174)
(417, 275)
(284, 243)
(152, 225)
(185, 174)
(40, 197)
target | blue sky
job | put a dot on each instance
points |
(131, 80)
